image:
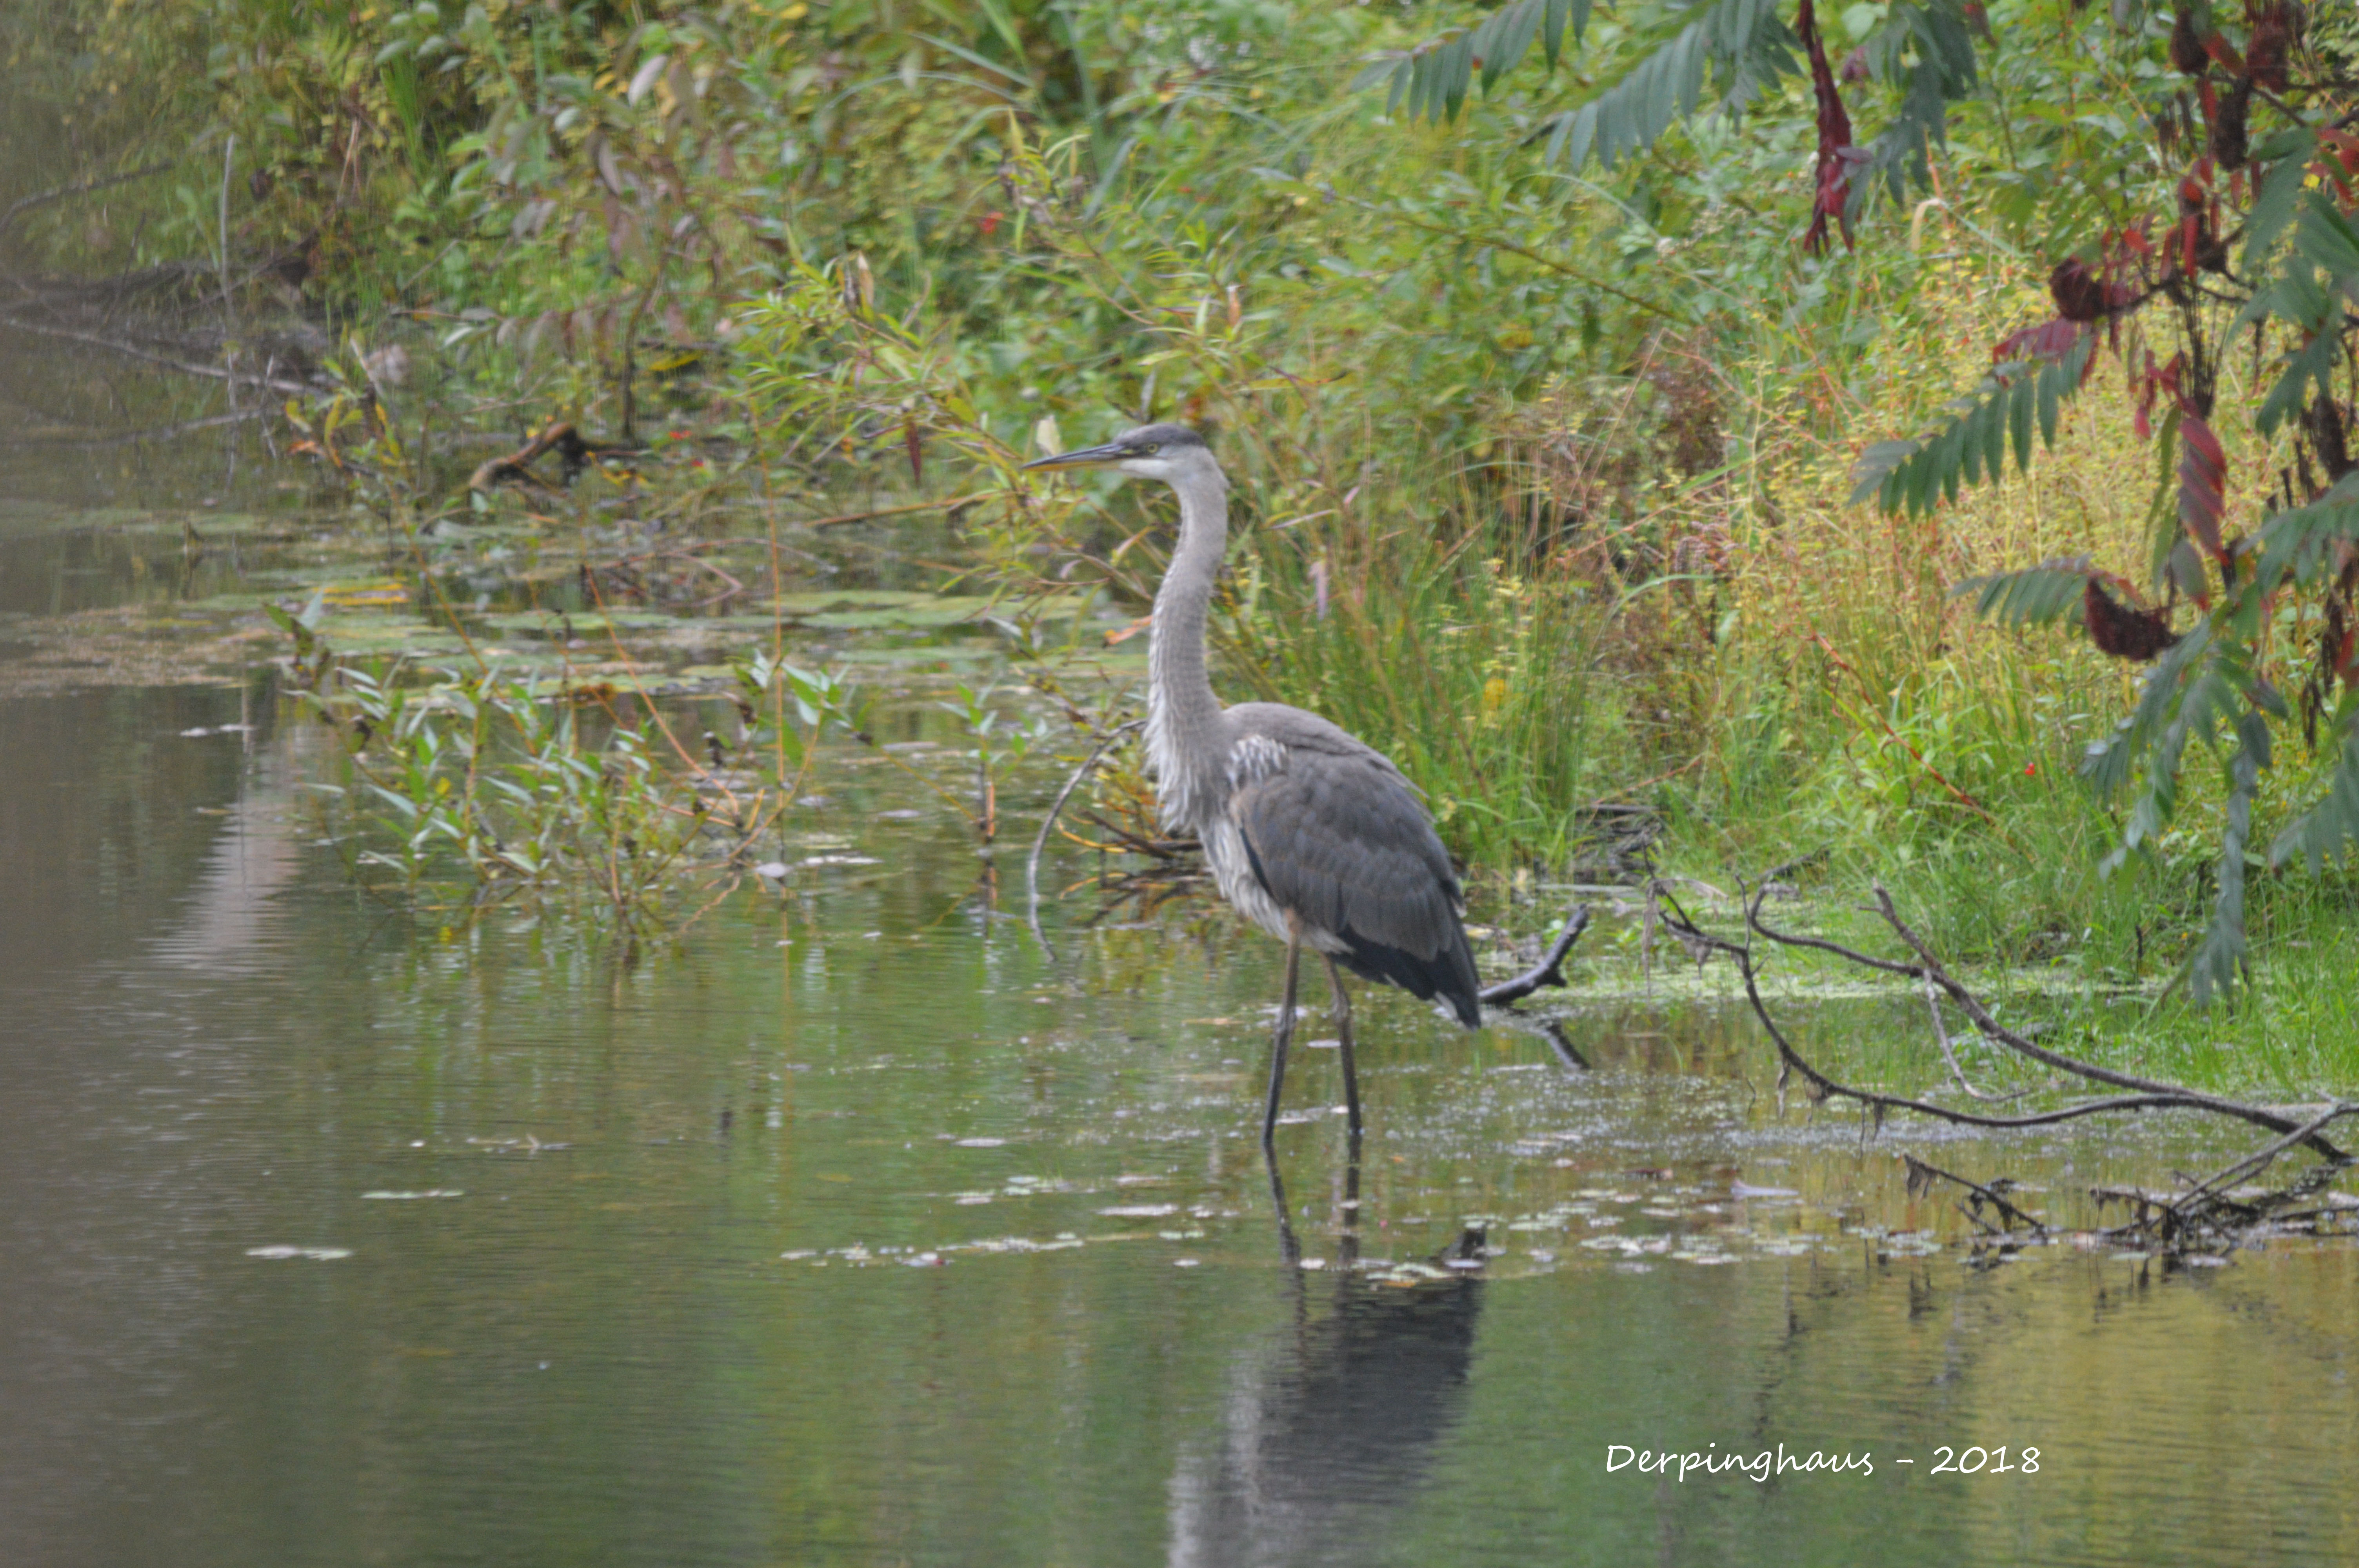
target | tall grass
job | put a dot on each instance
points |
(1424, 626)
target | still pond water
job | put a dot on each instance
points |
(852, 1228)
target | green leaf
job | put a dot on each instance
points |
(2315, 361)
(1972, 445)
(2280, 192)
(2325, 237)
(2022, 401)
(2035, 596)
(2295, 542)
(1874, 469)
(2329, 830)
(2108, 763)
(1742, 42)
(2218, 963)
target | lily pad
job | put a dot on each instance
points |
(845, 599)
(907, 617)
(388, 634)
(384, 594)
(552, 623)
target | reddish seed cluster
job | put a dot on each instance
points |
(2122, 631)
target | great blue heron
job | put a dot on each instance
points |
(1313, 836)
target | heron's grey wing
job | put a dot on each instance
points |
(1335, 836)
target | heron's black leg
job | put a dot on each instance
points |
(1347, 1245)
(1278, 1041)
(1343, 1043)
(1288, 1247)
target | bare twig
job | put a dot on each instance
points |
(1950, 1054)
(1549, 971)
(1041, 839)
(1821, 1087)
(2202, 1210)
(2259, 1160)
(1164, 850)
(115, 345)
(948, 505)
(24, 204)
(1972, 1008)
(1922, 1177)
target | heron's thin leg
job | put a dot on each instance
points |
(1288, 1247)
(1285, 1034)
(1347, 1245)
(1343, 1041)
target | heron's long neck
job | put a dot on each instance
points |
(1183, 716)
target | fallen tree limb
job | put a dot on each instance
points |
(130, 351)
(1922, 1175)
(2205, 1211)
(515, 468)
(1971, 1006)
(1549, 971)
(24, 204)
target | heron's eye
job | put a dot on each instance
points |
(1149, 449)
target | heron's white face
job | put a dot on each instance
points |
(1172, 453)
(1153, 465)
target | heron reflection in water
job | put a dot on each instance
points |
(1336, 1420)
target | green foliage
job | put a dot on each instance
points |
(1742, 48)
(2037, 596)
(1971, 447)
(2218, 686)
(482, 771)
(887, 243)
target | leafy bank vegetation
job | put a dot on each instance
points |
(1587, 373)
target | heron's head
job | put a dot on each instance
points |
(1167, 452)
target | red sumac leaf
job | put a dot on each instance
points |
(2218, 47)
(2202, 484)
(1834, 169)
(2048, 341)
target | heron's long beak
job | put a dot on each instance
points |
(1082, 457)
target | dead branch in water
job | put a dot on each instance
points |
(1922, 1177)
(515, 468)
(270, 379)
(1549, 971)
(1041, 839)
(24, 204)
(2207, 1212)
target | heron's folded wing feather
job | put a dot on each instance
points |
(1339, 839)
